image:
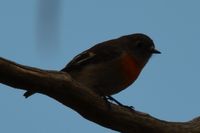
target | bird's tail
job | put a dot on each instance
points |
(28, 93)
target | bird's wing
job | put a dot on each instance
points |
(102, 52)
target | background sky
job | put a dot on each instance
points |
(48, 35)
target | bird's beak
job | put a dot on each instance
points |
(155, 51)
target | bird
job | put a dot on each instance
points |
(111, 66)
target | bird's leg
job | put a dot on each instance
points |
(120, 104)
(106, 101)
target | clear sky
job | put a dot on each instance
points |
(168, 87)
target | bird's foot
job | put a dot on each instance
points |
(117, 102)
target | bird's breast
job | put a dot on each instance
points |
(131, 69)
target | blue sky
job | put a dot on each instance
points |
(168, 87)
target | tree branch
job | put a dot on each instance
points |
(61, 87)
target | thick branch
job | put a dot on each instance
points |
(63, 88)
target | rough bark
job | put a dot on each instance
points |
(61, 87)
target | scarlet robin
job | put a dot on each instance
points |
(111, 66)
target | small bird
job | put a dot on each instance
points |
(111, 66)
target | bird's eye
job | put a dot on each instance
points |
(139, 44)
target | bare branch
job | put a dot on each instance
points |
(63, 88)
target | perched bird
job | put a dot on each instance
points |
(111, 66)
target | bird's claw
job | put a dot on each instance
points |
(117, 102)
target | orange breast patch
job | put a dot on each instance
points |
(131, 69)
